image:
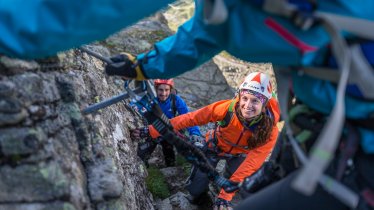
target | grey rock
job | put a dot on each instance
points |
(179, 201)
(10, 105)
(33, 183)
(37, 112)
(57, 122)
(39, 206)
(12, 118)
(7, 88)
(15, 66)
(103, 182)
(34, 88)
(175, 177)
(112, 204)
(21, 141)
(164, 204)
(11, 111)
(140, 37)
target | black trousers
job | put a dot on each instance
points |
(169, 154)
(198, 182)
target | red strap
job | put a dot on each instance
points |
(286, 35)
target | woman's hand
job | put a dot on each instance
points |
(139, 133)
(221, 204)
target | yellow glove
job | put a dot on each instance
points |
(125, 65)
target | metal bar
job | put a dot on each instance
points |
(96, 55)
(108, 102)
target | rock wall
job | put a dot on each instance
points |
(53, 157)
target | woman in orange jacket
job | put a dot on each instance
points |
(246, 140)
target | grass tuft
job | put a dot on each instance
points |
(156, 183)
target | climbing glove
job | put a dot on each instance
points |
(198, 141)
(269, 172)
(226, 184)
(221, 204)
(139, 133)
(125, 65)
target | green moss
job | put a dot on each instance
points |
(156, 183)
(97, 99)
(181, 161)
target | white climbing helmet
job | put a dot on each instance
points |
(258, 82)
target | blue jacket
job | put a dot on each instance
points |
(181, 108)
(38, 28)
(248, 35)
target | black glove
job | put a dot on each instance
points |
(125, 65)
(199, 142)
(221, 204)
(226, 184)
(139, 133)
(267, 174)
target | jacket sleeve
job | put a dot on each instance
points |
(182, 108)
(211, 113)
(254, 160)
(191, 46)
(41, 28)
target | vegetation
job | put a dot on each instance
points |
(181, 161)
(156, 183)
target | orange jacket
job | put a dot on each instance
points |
(234, 133)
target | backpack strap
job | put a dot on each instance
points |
(173, 104)
(226, 120)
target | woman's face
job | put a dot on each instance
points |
(163, 92)
(250, 105)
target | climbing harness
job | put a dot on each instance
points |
(153, 114)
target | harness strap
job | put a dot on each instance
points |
(228, 142)
(173, 104)
(323, 150)
(228, 116)
(213, 141)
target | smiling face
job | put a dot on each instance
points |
(250, 105)
(163, 92)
